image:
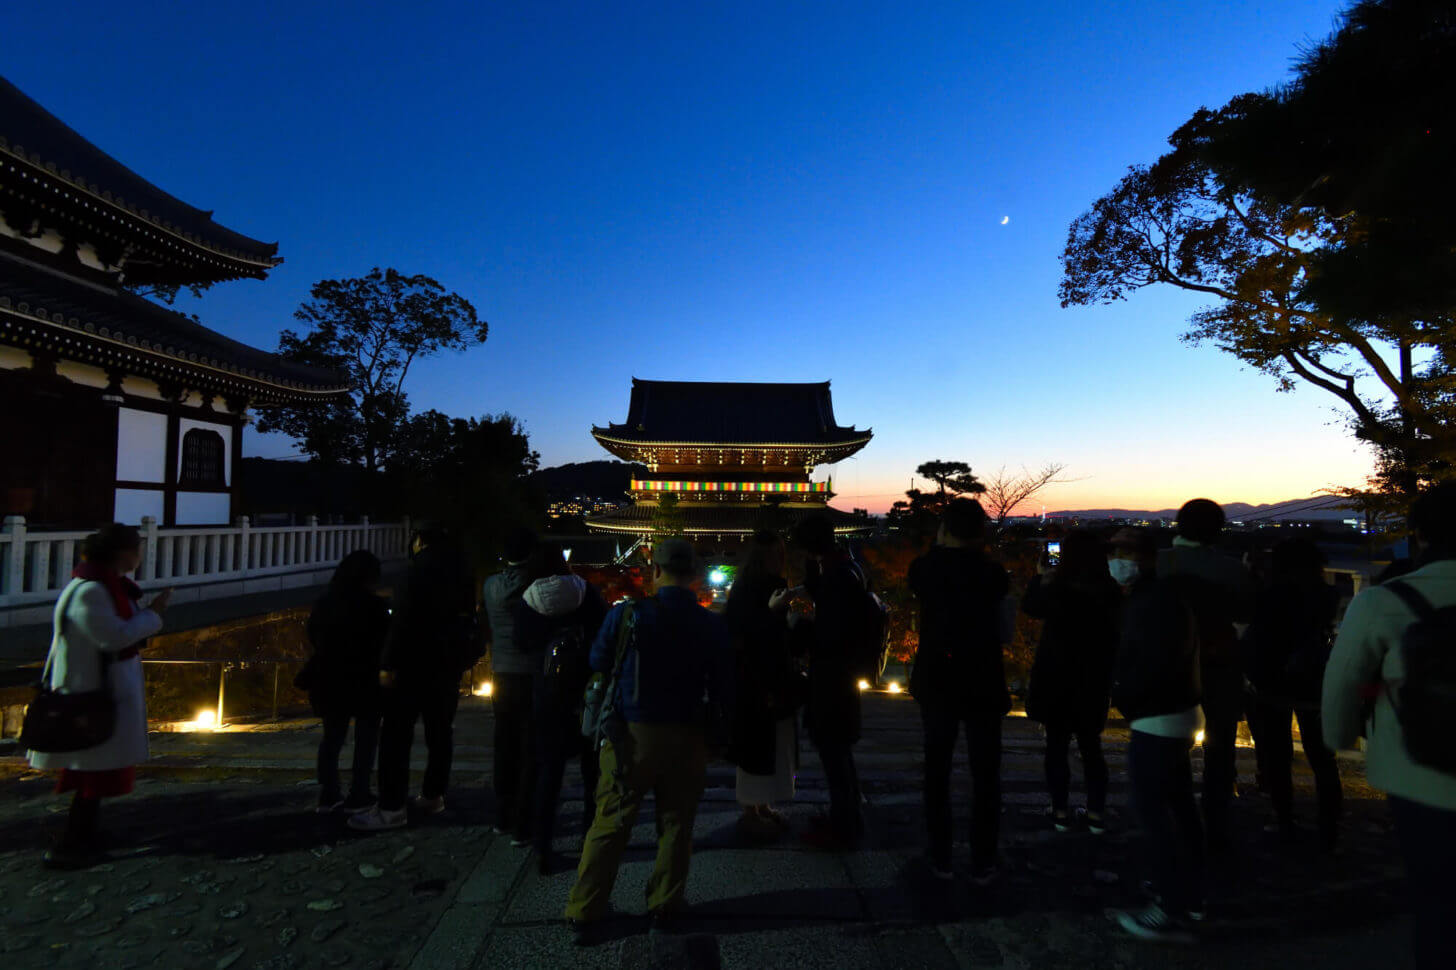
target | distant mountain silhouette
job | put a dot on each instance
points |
(1319, 508)
(598, 479)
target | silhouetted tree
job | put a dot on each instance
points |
(1007, 491)
(372, 329)
(1178, 223)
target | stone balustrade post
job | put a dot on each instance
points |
(314, 555)
(245, 547)
(150, 540)
(14, 573)
(363, 532)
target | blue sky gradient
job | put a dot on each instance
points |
(744, 191)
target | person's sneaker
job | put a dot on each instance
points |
(521, 841)
(379, 819)
(1200, 914)
(1096, 824)
(429, 806)
(584, 932)
(353, 806)
(1153, 924)
(941, 871)
(1062, 821)
(329, 806)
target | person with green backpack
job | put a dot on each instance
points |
(1397, 648)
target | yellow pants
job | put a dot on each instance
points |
(670, 761)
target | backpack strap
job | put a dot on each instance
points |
(1413, 600)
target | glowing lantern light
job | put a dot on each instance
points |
(864, 685)
(206, 720)
(485, 689)
(893, 687)
(1198, 738)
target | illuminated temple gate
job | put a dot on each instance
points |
(725, 459)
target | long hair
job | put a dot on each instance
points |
(357, 571)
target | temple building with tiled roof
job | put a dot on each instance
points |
(736, 457)
(115, 407)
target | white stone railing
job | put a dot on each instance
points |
(200, 562)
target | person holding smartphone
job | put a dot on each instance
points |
(1078, 602)
(100, 627)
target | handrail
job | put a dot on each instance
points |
(36, 565)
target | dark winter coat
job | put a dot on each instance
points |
(1157, 669)
(767, 676)
(1071, 677)
(959, 661)
(1288, 643)
(832, 715)
(501, 597)
(346, 630)
(431, 633)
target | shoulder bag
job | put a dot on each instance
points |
(57, 723)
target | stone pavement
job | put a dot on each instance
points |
(228, 867)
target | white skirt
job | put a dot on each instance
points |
(779, 786)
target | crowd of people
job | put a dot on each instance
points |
(1185, 642)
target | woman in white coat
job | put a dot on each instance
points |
(99, 625)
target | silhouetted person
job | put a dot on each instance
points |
(1369, 658)
(832, 716)
(346, 629)
(425, 655)
(99, 629)
(1221, 593)
(960, 679)
(765, 739)
(513, 668)
(557, 621)
(678, 655)
(1157, 687)
(1288, 645)
(1078, 602)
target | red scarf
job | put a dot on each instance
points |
(124, 592)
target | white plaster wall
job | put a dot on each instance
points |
(186, 425)
(141, 446)
(133, 503)
(203, 508)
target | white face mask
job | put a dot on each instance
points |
(1125, 571)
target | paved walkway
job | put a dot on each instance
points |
(231, 869)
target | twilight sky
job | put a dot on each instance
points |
(725, 191)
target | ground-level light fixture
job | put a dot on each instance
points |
(893, 687)
(864, 685)
(206, 720)
(484, 689)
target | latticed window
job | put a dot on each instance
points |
(202, 459)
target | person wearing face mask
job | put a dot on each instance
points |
(1370, 659)
(1158, 688)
